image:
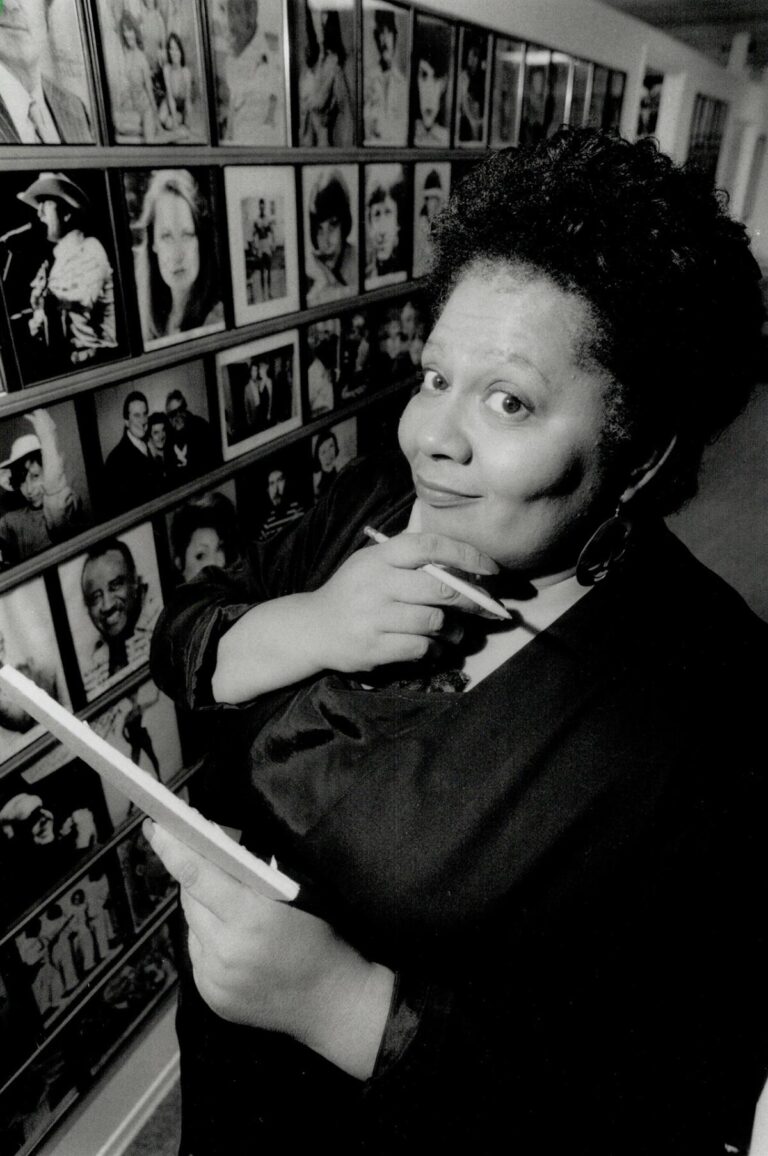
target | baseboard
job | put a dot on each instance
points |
(132, 1124)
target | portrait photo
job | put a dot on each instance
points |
(325, 52)
(559, 86)
(203, 531)
(332, 448)
(155, 75)
(506, 96)
(143, 727)
(650, 99)
(580, 81)
(537, 99)
(386, 72)
(614, 100)
(275, 492)
(433, 72)
(259, 391)
(248, 46)
(323, 361)
(154, 434)
(401, 333)
(331, 254)
(597, 96)
(112, 598)
(44, 496)
(45, 83)
(473, 88)
(358, 362)
(173, 216)
(28, 643)
(388, 216)
(431, 188)
(49, 818)
(261, 220)
(60, 280)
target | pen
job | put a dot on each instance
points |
(479, 597)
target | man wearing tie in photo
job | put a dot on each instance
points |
(34, 109)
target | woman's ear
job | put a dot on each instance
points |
(646, 472)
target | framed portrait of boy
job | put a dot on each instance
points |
(173, 216)
(203, 531)
(28, 643)
(388, 218)
(44, 497)
(61, 280)
(46, 94)
(259, 392)
(153, 61)
(325, 47)
(473, 88)
(332, 448)
(386, 71)
(506, 93)
(331, 253)
(431, 188)
(248, 39)
(261, 219)
(112, 598)
(275, 492)
(433, 81)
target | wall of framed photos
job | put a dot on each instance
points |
(214, 222)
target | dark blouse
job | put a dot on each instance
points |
(564, 865)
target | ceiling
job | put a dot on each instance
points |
(707, 25)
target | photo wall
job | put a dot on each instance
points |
(215, 218)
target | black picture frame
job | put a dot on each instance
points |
(433, 78)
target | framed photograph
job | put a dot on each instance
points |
(650, 100)
(433, 72)
(154, 434)
(358, 366)
(173, 216)
(261, 216)
(112, 599)
(431, 189)
(388, 217)
(332, 448)
(60, 278)
(331, 256)
(325, 47)
(42, 51)
(204, 531)
(536, 114)
(276, 492)
(473, 88)
(34, 1101)
(506, 99)
(597, 96)
(580, 86)
(401, 333)
(559, 83)
(50, 816)
(386, 68)
(44, 496)
(28, 643)
(143, 727)
(706, 135)
(250, 80)
(155, 75)
(614, 100)
(323, 363)
(259, 392)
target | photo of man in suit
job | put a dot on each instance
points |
(130, 474)
(34, 107)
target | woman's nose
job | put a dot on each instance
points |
(442, 433)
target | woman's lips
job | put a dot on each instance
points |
(436, 495)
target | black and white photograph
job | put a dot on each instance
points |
(325, 55)
(473, 88)
(431, 188)
(559, 85)
(44, 1090)
(44, 497)
(401, 333)
(433, 71)
(537, 101)
(332, 448)
(331, 252)
(506, 95)
(51, 814)
(204, 531)
(323, 365)
(248, 45)
(614, 100)
(650, 100)
(69, 942)
(175, 242)
(358, 365)
(598, 94)
(275, 492)
(28, 643)
(261, 218)
(581, 75)
(154, 434)
(259, 392)
(388, 218)
(59, 275)
(112, 598)
(386, 73)
(155, 74)
(45, 83)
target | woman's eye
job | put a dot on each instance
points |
(505, 404)
(432, 381)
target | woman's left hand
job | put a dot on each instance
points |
(268, 965)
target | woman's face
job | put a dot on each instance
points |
(175, 243)
(327, 454)
(174, 52)
(431, 88)
(384, 227)
(204, 549)
(329, 240)
(32, 489)
(504, 435)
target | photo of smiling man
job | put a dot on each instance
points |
(433, 52)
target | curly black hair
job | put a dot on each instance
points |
(667, 276)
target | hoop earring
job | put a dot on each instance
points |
(604, 550)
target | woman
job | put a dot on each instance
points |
(325, 458)
(331, 261)
(204, 533)
(177, 84)
(176, 264)
(134, 115)
(533, 907)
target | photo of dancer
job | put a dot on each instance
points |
(259, 391)
(386, 65)
(433, 49)
(261, 220)
(247, 38)
(326, 54)
(330, 232)
(388, 225)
